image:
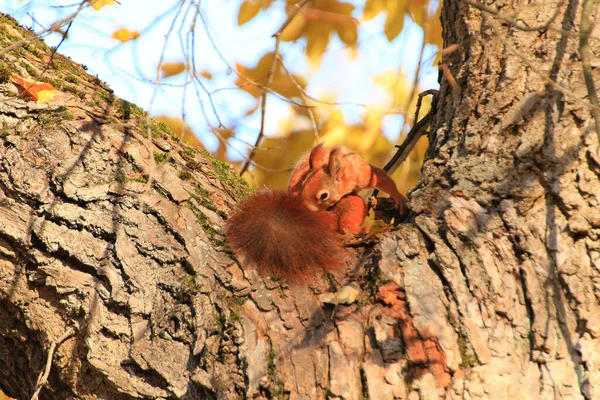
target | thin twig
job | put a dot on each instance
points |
(584, 51)
(193, 58)
(263, 100)
(43, 377)
(55, 27)
(258, 85)
(235, 71)
(412, 138)
(415, 133)
(161, 59)
(185, 46)
(432, 92)
(303, 96)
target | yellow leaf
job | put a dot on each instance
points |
(317, 39)
(373, 8)
(256, 74)
(348, 34)
(281, 82)
(294, 29)
(340, 8)
(124, 35)
(98, 4)
(418, 10)
(418, 15)
(393, 25)
(180, 129)
(172, 69)
(433, 33)
(395, 84)
(248, 10)
(284, 150)
(46, 94)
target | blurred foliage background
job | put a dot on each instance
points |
(292, 72)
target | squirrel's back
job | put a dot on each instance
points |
(275, 233)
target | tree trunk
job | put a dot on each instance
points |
(489, 291)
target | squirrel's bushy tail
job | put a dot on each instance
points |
(275, 233)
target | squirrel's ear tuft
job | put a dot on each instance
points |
(335, 163)
(316, 154)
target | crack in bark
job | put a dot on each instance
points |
(528, 307)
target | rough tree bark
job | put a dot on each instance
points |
(490, 290)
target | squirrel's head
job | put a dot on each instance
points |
(321, 186)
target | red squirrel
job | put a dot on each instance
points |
(292, 234)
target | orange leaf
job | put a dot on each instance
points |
(98, 4)
(172, 69)
(33, 89)
(206, 74)
(252, 110)
(124, 35)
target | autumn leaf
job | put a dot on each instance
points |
(223, 133)
(172, 69)
(417, 10)
(206, 75)
(433, 32)
(373, 8)
(181, 129)
(98, 4)
(317, 40)
(393, 26)
(124, 35)
(280, 80)
(348, 33)
(396, 84)
(395, 10)
(252, 110)
(292, 145)
(33, 89)
(294, 29)
(248, 10)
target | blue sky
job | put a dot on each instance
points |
(126, 67)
